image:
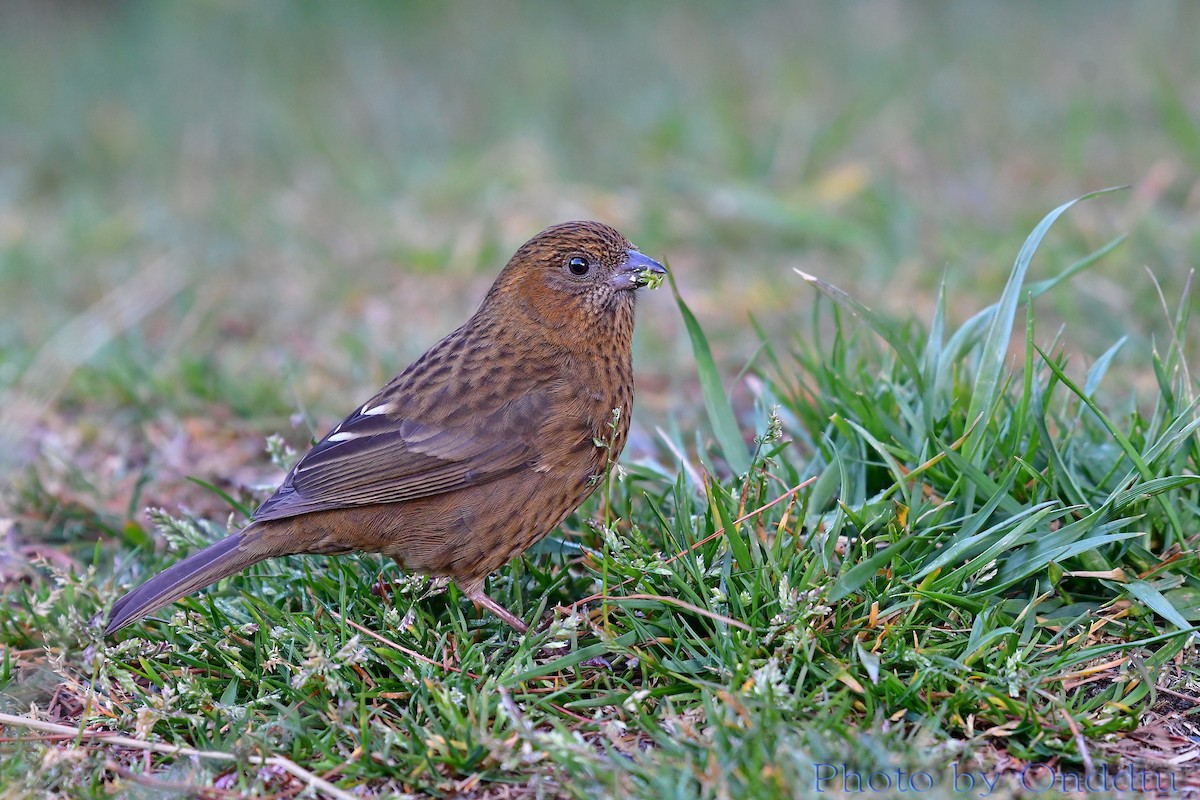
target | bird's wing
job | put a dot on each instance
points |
(374, 457)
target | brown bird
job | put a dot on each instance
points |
(474, 452)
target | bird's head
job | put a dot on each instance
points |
(575, 273)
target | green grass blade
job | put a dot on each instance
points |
(879, 324)
(986, 391)
(970, 332)
(241, 508)
(716, 401)
(1120, 438)
(1153, 599)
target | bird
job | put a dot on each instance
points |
(476, 450)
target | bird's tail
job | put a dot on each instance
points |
(231, 554)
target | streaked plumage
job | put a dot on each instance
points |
(478, 449)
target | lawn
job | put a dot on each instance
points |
(910, 505)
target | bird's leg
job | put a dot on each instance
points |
(476, 594)
(384, 588)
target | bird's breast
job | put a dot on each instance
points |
(587, 432)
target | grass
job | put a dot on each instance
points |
(937, 523)
(930, 549)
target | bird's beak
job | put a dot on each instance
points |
(638, 270)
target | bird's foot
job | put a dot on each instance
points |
(480, 599)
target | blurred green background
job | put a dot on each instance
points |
(272, 207)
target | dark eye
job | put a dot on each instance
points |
(578, 266)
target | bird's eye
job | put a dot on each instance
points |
(578, 266)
